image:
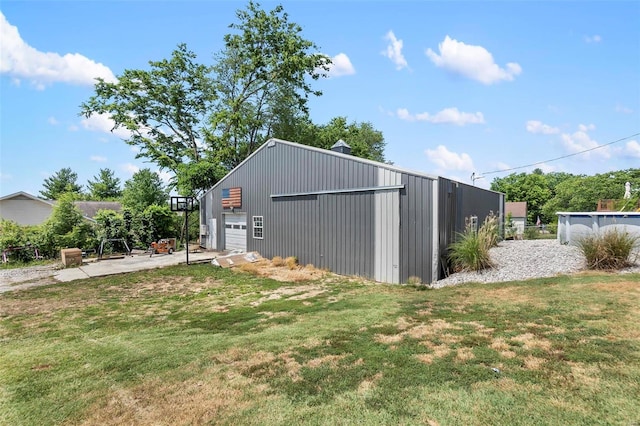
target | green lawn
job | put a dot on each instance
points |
(198, 345)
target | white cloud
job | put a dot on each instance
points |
(474, 62)
(581, 141)
(446, 116)
(546, 168)
(586, 127)
(129, 168)
(52, 121)
(73, 128)
(502, 166)
(340, 66)
(135, 148)
(593, 39)
(632, 149)
(394, 51)
(623, 109)
(537, 127)
(448, 160)
(22, 61)
(98, 159)
(104, 123)
(5, 176)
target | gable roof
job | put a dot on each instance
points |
(90, 208)
(516, 208)
(21, 195)
(273, 141)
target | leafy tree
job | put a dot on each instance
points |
(110, 224)
(582, 193)
(262, 72)
(154, 223)
(105, 186)
(364, 140)
(66, 228)
(64, 180)
(200, 121)
(163, 108)
(144, 189)
(532, 188)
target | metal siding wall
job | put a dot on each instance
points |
(448, 220)
(474, 201)
(334, 231)
(459, 201)
(416, 236)
(387, 228)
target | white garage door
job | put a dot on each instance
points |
(235, 231)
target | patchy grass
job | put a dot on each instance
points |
(202, 345)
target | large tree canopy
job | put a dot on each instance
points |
(262, 73)
(200, 121)
(61, 182)
(163, 109)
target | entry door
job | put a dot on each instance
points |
(235, 231)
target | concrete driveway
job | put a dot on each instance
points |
(130, 264)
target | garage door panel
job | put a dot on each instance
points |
(235, 231)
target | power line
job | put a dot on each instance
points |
(560, 158)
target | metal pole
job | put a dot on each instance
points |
(186, 221)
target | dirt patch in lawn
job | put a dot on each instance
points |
(47, 301)
(282, 272)
(300, 292)
(213, 394)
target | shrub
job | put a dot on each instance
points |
(471, 251)
(530, 233)
(13, 235)
(489, 231)
(65, 228)
(609, 250)
(292, 262)
(277, 261)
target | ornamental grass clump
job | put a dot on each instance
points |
(471, 251)
(609, 250)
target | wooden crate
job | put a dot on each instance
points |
(71, 256)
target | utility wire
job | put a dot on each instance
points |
(560, 158)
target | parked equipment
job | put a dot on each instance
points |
(164, 245)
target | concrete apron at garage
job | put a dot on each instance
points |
(130, 264)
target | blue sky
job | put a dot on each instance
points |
(456, 87)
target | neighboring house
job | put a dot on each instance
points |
(518, 210)
(333, 210)
(26, 209)
(90, 208)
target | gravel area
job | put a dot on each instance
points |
(525, 259)
(22, 278)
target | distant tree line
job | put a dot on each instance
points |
(547, 194)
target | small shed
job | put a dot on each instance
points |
(518, 210)
(350, 215)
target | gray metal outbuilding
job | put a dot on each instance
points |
(350, 215)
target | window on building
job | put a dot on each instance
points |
(258, 227)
